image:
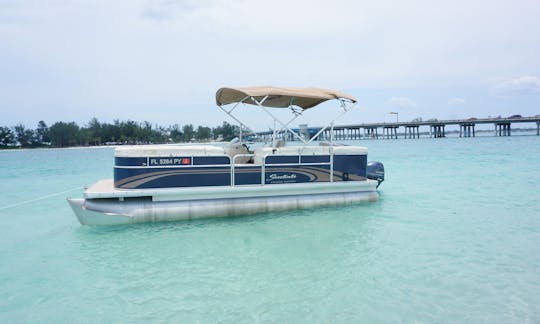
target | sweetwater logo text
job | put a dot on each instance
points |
(281, 178)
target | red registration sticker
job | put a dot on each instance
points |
(186, 161)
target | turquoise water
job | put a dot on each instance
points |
(455, 237)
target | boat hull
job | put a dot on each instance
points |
(166, 206)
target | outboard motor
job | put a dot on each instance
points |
(375, 171)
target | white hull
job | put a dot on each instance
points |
(137, 206)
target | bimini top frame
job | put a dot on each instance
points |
(295, 99)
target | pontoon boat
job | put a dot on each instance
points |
(179, 182)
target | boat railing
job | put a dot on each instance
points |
(233, 164)
(263, 165)
(331, 164)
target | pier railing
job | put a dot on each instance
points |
(411, 129)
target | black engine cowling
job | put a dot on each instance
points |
(375, 171)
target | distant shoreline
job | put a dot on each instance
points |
(424, 135)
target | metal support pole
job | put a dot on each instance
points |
(241, 133)
(345, 110)
(274, 135)
(239, 122)
(332, 152)
(331, 133)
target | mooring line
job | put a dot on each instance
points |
(39, 198)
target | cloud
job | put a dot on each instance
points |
(172, 9)
(456, 101)
(142, 59)
(402, 102)
(525, 85)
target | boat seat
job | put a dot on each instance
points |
(235, 149)
(168, 150)
(260, 152)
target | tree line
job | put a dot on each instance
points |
(65, 134)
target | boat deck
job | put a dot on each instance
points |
(102, 186)
(105, 189)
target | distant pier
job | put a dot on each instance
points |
(501, 126)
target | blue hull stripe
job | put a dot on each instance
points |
(346, 168)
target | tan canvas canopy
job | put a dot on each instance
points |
(279, 97)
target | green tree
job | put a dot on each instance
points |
(25, 137)
(189, 132)
(160, 135)
(42, 133)
(64, 134)
(115, 129)
(146, 132)
(175, 133)
(227, 131)
(84, 136)
(95, 130)
(203, 133)
(7, 138)
(107, 131)
(129, 131)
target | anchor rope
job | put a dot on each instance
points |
(39, 198)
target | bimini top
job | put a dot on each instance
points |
(279, 97)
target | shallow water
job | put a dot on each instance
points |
(455, 237)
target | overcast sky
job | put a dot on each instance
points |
(163, 60)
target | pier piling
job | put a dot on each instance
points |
(502, 129)
(437, 131)
(413, 131)
(466, 130)
(371, 132)
(390, 131)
